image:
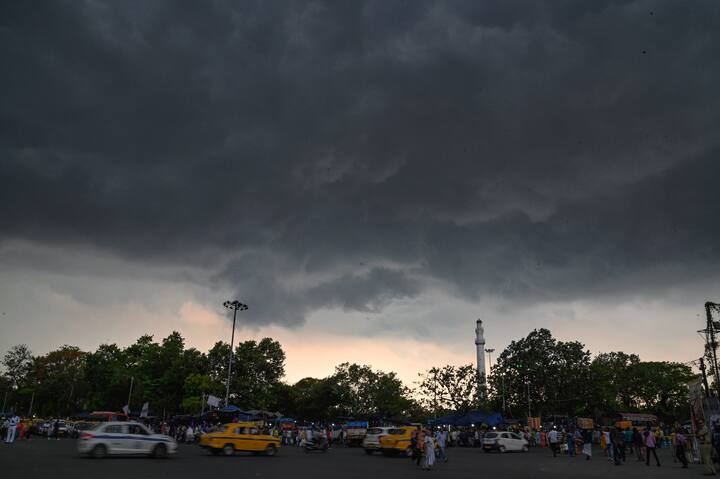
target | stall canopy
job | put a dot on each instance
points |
(468, 419)
(251, 415)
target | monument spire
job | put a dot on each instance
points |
(480, 346)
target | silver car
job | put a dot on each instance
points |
(124, 438)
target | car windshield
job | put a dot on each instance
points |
(374, 430)
(491, 435)
(396, 431)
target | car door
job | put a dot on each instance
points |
(504, 440)
(516, 441)
(139, 439)
(116, 438)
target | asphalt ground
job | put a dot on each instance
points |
(41, 458)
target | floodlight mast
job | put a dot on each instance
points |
(235, 306)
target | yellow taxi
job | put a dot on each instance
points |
(240, 436)
(397, 441)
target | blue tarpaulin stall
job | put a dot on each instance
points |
(468, 419)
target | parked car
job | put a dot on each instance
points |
(504, 441)
(371, 443)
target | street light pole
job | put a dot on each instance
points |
(235, 306)
(490, 351)
(132, 380)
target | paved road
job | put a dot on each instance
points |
(41, 458)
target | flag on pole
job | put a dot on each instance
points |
(126, 409)
(145, 408)
(213, 401)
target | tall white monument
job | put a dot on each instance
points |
(480, 346)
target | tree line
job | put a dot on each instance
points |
(537, 374)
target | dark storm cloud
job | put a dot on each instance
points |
(527, 149)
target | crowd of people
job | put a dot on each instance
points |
(429, 445)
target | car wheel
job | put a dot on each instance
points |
(368, 451)
(99, 451)
(270, 450)
(501, 449)
(159, 451)
(228, 450)
(525, 448)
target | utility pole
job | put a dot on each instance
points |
(235, 306)
(32, 400)
(704, 377)
(132, 380)
(528, 398)
(712, 340)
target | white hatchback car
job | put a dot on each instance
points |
(371, 442)
(504, 441)
(124, 438)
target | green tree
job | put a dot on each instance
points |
(550, 375)
(661, 387)
(365, 393)
(107, 377)
(58, 381)
(612, 381)
(197, 385)
(17, 362)
(257, 370)
(449, 388)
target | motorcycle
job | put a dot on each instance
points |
(317, 444)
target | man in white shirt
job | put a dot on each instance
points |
(441, 438)
(553, 440)
(12, 426)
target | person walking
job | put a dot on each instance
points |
(608, 444)
(441, 439)
(417, 441)
(11, 428)
(587, 444)
(680, 442)
(56, 429)
(553, 441)
(628, 440)
(705, 440)
(570, 439)
(639, 445)
(618, 443)
(650, 447)
(429, 455)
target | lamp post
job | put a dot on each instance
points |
(490, 351)
(235, 306)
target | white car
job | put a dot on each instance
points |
(504, 441)
(124, 438)
(371, 443)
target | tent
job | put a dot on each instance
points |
(468, 419)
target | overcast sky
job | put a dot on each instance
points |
(369, 177)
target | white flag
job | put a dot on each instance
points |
(126, 409)
(213, 401)
(144, 412)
